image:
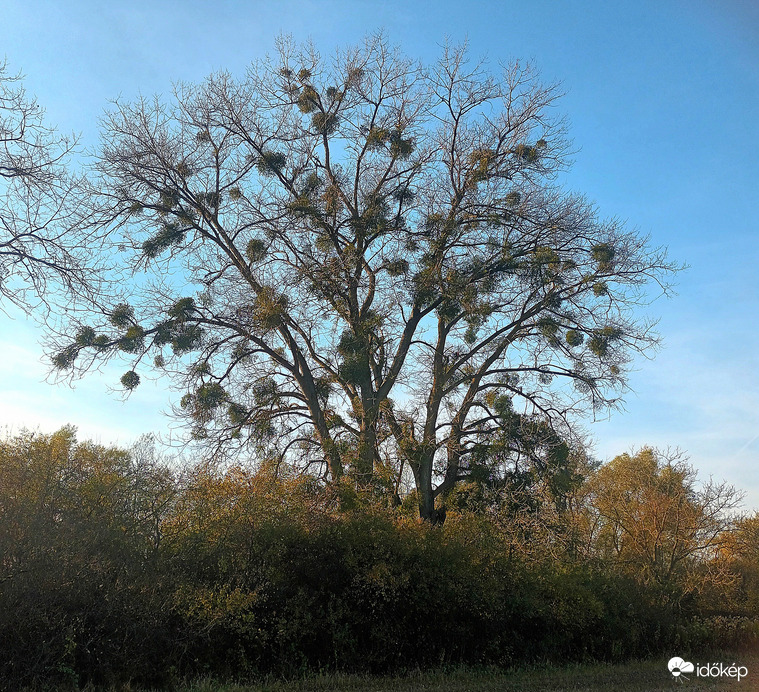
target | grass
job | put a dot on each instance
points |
(644, 676)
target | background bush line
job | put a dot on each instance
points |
(116, 567)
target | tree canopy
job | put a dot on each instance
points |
(364, 267)
(650, 516)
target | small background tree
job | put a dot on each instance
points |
(652, 519)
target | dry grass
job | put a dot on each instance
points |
(646, 676)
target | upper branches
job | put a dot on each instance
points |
(43, 245)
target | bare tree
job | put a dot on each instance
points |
(41, 251)
(364, 265)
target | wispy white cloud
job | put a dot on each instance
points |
(700, 394)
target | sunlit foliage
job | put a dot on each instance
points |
(117, 567)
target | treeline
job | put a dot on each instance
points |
(117, 566)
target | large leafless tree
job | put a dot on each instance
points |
(365, 266)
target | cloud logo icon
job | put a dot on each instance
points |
(677, 666)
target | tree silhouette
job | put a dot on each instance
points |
(363, 267)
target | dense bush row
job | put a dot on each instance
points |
(115, 568)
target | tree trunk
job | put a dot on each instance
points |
(426, 492)
(366, 452)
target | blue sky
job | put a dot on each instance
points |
(663, 101)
